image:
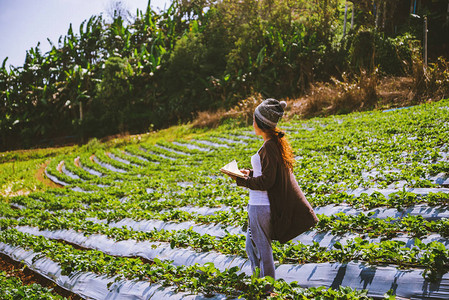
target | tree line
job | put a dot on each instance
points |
(161, 68)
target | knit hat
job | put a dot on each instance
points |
(270, 111)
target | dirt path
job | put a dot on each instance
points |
(40, 175)
(27, 276)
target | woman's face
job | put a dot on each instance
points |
(257, 130)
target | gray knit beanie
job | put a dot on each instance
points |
(270, 111)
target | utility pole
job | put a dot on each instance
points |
(352, 17)
(376, 12)
(425, 41)
(346, 18)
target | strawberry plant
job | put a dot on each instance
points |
(376, 183)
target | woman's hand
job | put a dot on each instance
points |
(245, 171)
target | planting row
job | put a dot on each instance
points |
(292, 252)
(12, 288)
(406, 287)
(362, 197)
(379, 189)
(416, 221)
(204, 279)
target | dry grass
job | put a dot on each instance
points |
(338, 97)
(211, 119)
(243, 111)
(432, 82)
(395, 92)
(365, 92)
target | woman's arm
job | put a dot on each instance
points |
(269, 166)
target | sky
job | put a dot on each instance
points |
(24, 23)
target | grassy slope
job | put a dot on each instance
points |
(21, 171)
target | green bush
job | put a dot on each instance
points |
(394, 55)
(113, 101)
(185, 78)
(370, 49)
(163, 68)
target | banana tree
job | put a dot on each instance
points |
(76, 93)
(91, 43)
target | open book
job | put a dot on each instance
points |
(232, 169)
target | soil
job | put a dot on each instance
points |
(28, 276)
(40, 175)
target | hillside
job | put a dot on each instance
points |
(163, 68)
(153, 212)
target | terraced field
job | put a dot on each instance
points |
(158, 220)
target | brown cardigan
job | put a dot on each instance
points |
(291, 213)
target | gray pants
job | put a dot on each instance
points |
(258, 240)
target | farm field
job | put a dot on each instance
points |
(153, 219)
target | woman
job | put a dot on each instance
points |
(277, 208)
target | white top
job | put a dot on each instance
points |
(257, 197)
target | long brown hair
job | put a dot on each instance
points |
(281, 141)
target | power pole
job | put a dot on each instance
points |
(376, 12)
(352, 17)
(346, 18)
(425, 41)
